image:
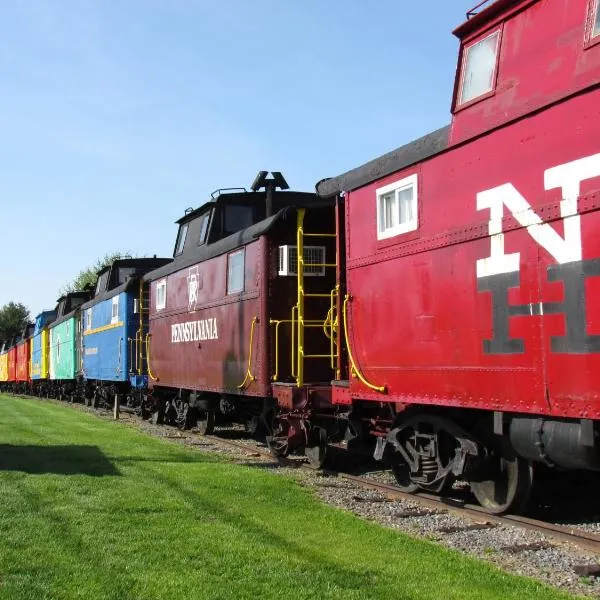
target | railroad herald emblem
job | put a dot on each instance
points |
(500, 271)
(194, 285)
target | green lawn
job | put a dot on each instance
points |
(93, 509)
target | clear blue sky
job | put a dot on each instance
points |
(117, 115)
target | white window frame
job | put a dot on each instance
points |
(88, 319)
(239, 288)
(398, 186)
(465, 64)
(161, 289)
(114, 314)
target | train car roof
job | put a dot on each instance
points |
(396, 160)
(61, 304)
(206, 251)
(141, 263)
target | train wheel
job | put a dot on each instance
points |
(317, 451)
(206, 422)
(277, 441)
(401, 472)
(253, 425)
(507, 486)
(158, 416)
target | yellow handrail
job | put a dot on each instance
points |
(150, 374)
(248, 372)
(382, 388)
(275, 375)
(300, 301)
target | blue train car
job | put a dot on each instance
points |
(115, 323)
(40, 351)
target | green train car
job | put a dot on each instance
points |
(65, 344)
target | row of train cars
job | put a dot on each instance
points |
(83, 349)
(437, 307)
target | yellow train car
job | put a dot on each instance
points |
(4, 367)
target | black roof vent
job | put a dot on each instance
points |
(263, 181)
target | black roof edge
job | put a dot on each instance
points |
(192, 214)
(106, 294)
(420, 149)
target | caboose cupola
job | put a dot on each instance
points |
(520, 56)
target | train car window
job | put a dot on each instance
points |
(235, 272)
(101, 283)
(479, 68)
(397, 208)
(203, 228)
(161, 294)
(238, 217)
(181, 239)
(114, 316)
(88, 319)
(596, 29)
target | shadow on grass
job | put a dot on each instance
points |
(61, 460)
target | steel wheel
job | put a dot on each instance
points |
(206, 422)
(507, 486)
(317, 451)
(401, 472)
(277, 441)
(185, 417)
(157, 417)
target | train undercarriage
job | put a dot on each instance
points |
(429, 449)
(199, 410)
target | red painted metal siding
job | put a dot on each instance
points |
(22, 358)
(12, 364)
(218, 364)
(417, 319)
(543, 58)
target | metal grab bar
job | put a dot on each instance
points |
(248, 372)
(150, 374)
(382, 388)
(119, 355)
(471, 13)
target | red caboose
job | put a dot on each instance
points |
(472, 264)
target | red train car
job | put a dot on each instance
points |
(23, 359)
(12, 365)
(221, 312)
(472, 289)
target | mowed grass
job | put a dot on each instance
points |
(93, 509)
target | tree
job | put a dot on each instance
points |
(13, 319)
(87, 277)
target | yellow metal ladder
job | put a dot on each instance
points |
(298, 321)
(140, 336)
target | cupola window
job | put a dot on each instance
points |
(596, 28)
(181, 239)
(479, 68)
